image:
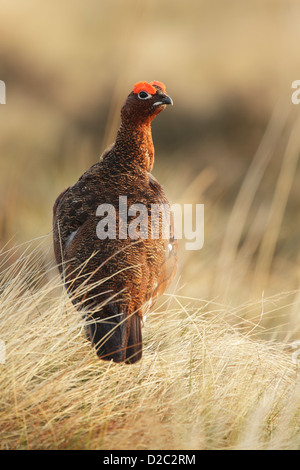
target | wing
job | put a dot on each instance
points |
(71, 210)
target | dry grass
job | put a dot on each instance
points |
(204, 381)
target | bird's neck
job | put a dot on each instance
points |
(134, 145)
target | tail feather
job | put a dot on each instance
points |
(116, 336)
(134, 345)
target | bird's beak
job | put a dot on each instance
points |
(163, 100)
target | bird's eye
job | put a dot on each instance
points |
(143, 95)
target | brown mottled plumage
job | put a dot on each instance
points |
(115, 281)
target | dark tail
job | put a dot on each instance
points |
(116, 335)
(134, 343)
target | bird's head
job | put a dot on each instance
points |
(145, 101)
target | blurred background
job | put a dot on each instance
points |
(231, 141)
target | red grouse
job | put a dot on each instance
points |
(112, 266)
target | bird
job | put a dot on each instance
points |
(114, 281)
